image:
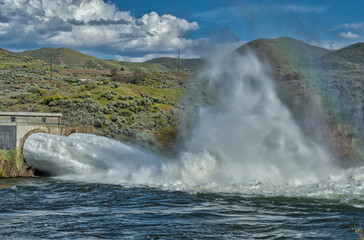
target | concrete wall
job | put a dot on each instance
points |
(16, 127)
(8, 137)
(15, 136)
(31, 120)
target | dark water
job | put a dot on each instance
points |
(46, 208)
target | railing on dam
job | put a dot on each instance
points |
(65, 120)
(78, 119)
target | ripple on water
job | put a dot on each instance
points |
(47, 208)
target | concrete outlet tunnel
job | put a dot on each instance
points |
(16, 127)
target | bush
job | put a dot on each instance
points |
(25, 98)
(42, 92)
(109, 95)
(138, 76)
(167, 137)
(84, 94)
(48, 100)
(115, 85)
(88, 86)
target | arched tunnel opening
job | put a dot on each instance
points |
(39, 171)
(36, 172)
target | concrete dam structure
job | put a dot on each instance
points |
(16, 127)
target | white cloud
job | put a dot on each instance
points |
(143, 58)
(349, 35)
(220, 48)
(359, 25)
(246, 9)
(303, 9)
(90, 23)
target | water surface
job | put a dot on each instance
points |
(45, 208)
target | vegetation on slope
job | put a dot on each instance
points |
(347, 58)
(69, 58)
(286, 55)
(188, 65)
(13, 165)
(136, 106)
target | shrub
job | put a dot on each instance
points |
(109, 95)
(121, 97)
(138, 76)
(48, 100)
(42, 92)
(88, 86)
(84, 94)
(116, 76)
(167, 137)
(115, 85)
(25, 98)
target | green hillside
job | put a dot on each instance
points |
(61, 56)
(348, 58)
(73, 59)
(285, 55)
(140, 106)
(188, 65)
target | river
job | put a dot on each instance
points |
(48, 208)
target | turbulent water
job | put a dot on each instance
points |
(95, 159)
(53, 209)
(245, 171)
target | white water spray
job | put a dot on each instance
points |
(246, 136)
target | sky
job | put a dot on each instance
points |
(139, 30)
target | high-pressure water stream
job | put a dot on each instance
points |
(246, 135)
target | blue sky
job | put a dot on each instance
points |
(137, 30)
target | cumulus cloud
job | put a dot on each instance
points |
(90, 23)
(349, 35)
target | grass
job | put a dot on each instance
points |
(359, 231)
(12, 164)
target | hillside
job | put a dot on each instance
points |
(140, 107)
(285, 55)
(347, 58)
(60, 56)
(73, 59)
(188, 65)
